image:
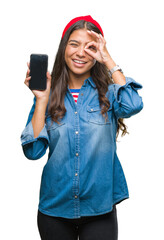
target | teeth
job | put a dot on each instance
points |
(78, 61)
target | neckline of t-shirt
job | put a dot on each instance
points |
(75, 90)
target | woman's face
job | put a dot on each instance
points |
(77, 60)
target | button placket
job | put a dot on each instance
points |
(76, 169)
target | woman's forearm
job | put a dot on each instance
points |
(117, 76)
(38, 119)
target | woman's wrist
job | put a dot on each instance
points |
(109, 63)
(41, 103)
(117, 76)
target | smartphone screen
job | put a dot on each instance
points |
(38, 70)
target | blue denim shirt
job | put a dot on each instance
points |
(83, 175)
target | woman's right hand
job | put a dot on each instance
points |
(41, 95)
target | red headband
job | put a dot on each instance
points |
(87, 18)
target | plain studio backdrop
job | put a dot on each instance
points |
(134, 34)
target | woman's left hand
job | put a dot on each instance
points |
(97, 49)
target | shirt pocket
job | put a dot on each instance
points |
(94, 115)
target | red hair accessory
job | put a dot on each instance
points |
(87, 18)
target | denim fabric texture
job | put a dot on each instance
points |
(83, 175)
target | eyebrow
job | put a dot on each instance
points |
(76, 41)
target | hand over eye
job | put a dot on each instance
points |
(97, 49)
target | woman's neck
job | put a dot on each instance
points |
(76, 82)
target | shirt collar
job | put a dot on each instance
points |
(90, 80)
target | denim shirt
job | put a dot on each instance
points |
(83, 175)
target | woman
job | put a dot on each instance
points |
(78, 117)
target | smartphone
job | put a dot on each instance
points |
(38, 70)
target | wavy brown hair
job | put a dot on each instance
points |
(60, 78)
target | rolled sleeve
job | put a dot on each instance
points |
(34, 148)
(127, 101)
(27, 135)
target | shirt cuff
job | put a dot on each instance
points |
(27, 135)
(130, 82)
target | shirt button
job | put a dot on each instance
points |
(76, 174)
(82, 94)
(76, 196)
(75, 112)
(76, 132)
(77, 154)
(92, 109)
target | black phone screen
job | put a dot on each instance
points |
(38, 70)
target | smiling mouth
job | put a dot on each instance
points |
(78, 61)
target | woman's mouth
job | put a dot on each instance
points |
(78, 63)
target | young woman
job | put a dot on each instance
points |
(78, 117)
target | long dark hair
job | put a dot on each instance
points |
(60, 78)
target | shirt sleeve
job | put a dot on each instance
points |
(34, 148)
(127, 101)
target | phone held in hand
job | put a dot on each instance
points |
(38, 70)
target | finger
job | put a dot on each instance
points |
(48, 75)
(28, 64)
(99, 36)
(90, 52)
(102, 38)
(28, 70)
(26, 82)
(94, 33)
(28, 73)
(90, 44)
(27, 79)
(48, 80)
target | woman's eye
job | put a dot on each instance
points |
(73, 44)
(92, 48)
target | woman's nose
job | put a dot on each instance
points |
(81, 51)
